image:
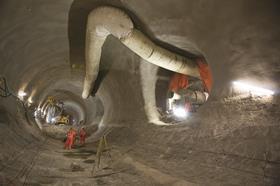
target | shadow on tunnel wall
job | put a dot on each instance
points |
(77, 22)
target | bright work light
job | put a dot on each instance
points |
(252, 89)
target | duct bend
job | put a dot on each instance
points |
(104, 21)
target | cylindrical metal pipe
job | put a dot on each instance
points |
(196, 97)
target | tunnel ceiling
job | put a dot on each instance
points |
(231, 140)
(242, 43)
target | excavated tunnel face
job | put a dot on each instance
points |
(178, 96)
(233, 138)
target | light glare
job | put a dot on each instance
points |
(253, 89)
(30, 100)
(21, 93)
(180, 112)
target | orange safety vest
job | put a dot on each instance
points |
(178, 81)
(205, 74)
(82, 133)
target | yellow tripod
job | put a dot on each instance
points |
(102, 146)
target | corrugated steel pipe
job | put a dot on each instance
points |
(196, 96)
(105, 21)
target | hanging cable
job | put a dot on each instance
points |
(4, 90)
(5, 93)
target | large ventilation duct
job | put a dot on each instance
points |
(105, 21)
(196, 97)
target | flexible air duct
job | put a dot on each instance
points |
(105, 21)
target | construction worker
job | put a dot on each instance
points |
(71, 135)
(205, 74)
(177, 86)
(82, 136)
(178, 81)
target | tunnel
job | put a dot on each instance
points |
(230, 137)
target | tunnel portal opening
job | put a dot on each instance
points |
(56, 114)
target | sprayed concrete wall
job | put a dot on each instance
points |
(229, 141)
